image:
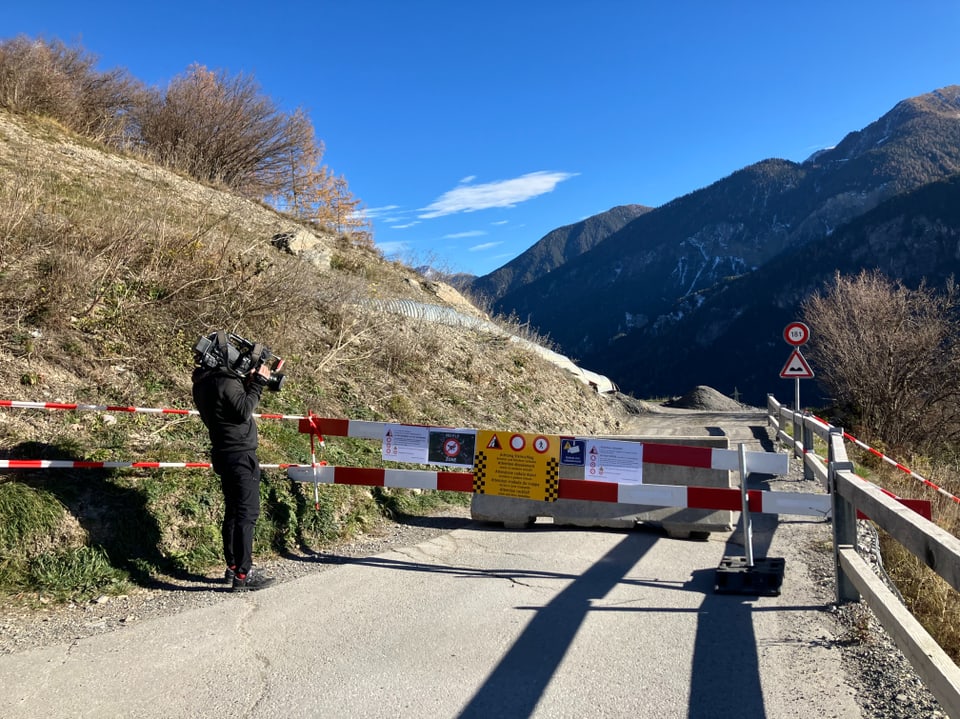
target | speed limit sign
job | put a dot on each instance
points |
(796, 334)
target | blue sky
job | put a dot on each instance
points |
(471, 129)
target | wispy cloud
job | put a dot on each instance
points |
(484, 246)
(500, 222)
(461, 235)
(375, 212)
(502, 193)
(403, 227)
(393, 248)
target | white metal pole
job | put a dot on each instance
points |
(745, 507)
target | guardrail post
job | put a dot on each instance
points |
(807, 446)
(844, 524)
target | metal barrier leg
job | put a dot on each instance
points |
(745, 508)
(748, 575)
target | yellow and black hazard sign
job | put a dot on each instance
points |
(517, 464)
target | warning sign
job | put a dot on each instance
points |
(572, 451)
(613, 461)
(428, 445)
(512, 464)
(451, 447)
(796, 367)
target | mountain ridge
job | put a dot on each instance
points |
(554, 249)
(652, 272)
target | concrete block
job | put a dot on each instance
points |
(675, 521)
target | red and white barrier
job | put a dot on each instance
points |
(657, 495)
(701, 457)
(653, 453)
(715, 498)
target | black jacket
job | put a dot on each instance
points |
(226, 404)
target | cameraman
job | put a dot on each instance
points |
(226, 403)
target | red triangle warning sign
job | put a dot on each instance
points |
(796, 367)
(494, 443)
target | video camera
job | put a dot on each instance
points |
(239, 355)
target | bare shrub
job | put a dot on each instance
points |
(60, 81)
(219, 128)
(890, 355)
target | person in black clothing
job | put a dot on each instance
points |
(226, 402)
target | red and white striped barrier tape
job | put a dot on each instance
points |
(87, 464)
(894, 463)
(920, 506)
(899, 466)
(120, 408)
(716, 498)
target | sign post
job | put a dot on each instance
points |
(796, 334)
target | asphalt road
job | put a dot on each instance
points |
(480, 622)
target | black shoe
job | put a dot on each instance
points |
(251, 582)
(229, 574)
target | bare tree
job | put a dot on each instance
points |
(222, 129)
(210, 125)
(50, 78)
(889, 354)
(313, 193)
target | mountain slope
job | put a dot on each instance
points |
(118, 258)
(635, 281)
(554, 249)
(112, 267)
(730, 336)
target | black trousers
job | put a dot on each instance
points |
(240, 480)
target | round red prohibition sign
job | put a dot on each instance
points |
(796, 334)
(541, 444)
(517, 442)
(451, 447)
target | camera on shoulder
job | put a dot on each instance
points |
(238, 355)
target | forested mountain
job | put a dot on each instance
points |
(552, 250)
(653, 287)
(730, 336)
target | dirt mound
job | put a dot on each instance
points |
(705, 398)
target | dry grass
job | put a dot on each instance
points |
(110, 268)
(931, 599)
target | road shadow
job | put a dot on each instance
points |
(725, 675)
(518, 682)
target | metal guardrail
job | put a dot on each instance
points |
(935, 547)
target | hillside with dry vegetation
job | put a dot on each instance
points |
(111, 267)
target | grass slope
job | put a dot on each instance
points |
(110, 268)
